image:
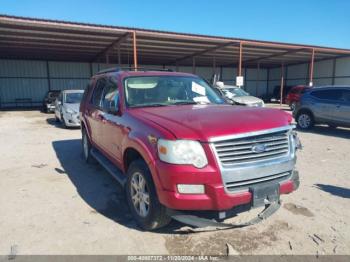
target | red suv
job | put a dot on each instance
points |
(177, 148)
(294, 95)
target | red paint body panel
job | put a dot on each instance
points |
(295, 93)
(131, 127)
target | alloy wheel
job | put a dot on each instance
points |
(140, 194)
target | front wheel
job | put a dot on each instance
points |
(142, 198)
(87, 148)
(305, 120)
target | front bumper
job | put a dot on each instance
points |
(216, 197)
(72, 120)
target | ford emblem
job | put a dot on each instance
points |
(258, 148)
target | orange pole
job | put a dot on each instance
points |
(312, 66)
(135, 50)
(240, 59)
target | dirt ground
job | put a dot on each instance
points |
(51, 202)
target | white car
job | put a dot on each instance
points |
(238, 96)
(67, 107)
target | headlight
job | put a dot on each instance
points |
(185, 152)
(70, 111)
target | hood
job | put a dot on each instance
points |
(246, 99)
(74, 107)
(202, 122)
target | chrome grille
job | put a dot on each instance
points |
(253, 148)
(245, 184)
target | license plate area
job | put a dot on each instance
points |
(262, 192)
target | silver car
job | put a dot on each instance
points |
(238, 96)
(67, 107)
(324, 105)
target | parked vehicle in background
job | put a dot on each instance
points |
(276, 95)
(67, 107)
(237, 96)
(179, 149)
(324, 105)
(294, 95)
(49, 101)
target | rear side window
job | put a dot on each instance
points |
(335, 94)
(97, 95)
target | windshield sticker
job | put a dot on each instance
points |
(201, 99)
(198, 89)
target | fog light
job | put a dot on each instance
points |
(190, 189)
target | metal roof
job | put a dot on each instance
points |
(29, 38)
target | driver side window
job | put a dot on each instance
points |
(110, 99)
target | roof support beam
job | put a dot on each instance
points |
(258, 59)
(135, 49)
(112, 46)
(211, 49)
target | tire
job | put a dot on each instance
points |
(153, 215)
(57, 119)
(63, 122)
(305, 120)
(86, 146)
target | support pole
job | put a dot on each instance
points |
(312, 67)
(135, 50)
(282, 84)
(240, 59)
(177, 67)
(194, 65)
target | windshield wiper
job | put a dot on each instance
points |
(184, 103)
(150, 105)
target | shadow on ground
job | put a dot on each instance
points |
(328, 131)
(52, 121)
(335, 190)
(96, 187)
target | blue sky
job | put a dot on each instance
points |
(317, 22)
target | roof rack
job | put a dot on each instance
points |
(118, 69)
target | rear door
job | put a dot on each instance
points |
(342, 113)
(95, 113)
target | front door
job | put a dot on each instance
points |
(112, 126)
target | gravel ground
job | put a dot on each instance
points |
(53, 203)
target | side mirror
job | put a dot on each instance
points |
(59, 102)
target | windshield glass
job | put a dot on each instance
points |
(235, 92)
(73, 98)
(168, 90)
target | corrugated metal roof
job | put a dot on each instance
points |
(30, 38)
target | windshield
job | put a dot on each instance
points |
(235, 92)
(73, 98)
(144, 91)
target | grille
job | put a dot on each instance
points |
(253, 148)
(244, 184)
